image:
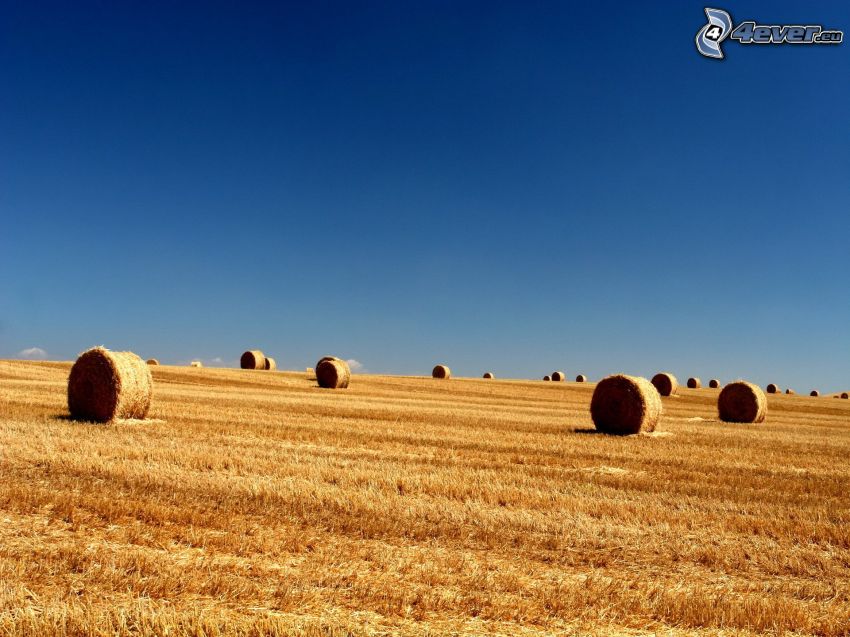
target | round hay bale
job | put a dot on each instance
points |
(665, 383)
(152, 361)
(742, 402)
(772, 388)
(104, 385)
(546, 378)
(814, 393)
(845, 395)
(625, 405)
(441, 371)
(694, 383)
(196, 364)
(581, 378)
(271, 364)
(333, 373)
(714, 383)
(323, 359)
(558, 376)
(489, 375)
(253, 359)
(790, 391)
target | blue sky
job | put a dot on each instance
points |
(515, 187)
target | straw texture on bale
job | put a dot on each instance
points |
(558, 376)
(196, 364)
(271, 363)
(546, 378)
(253, 359)
(665, 383)
(581, 378)
(624, 405)
(742, 402)
(152, 361)
(714, 383)
(104, 385)
(333, 373)
(845, 395)
(694, 383)
(814, 393)
(773, 389)
(489, 375)
(441, 371)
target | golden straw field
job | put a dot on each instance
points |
(256, 503)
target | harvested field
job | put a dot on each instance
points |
(401, 505)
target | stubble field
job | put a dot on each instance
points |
(256, 503)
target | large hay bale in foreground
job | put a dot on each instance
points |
(665, 383)
(714, 383)
(271, 364)
(489, 375)
(814, 393)
(104, 385)
(253, 359)
(152, 361)
(625, 405)
(845, 395)
(742, 402)
(772, 388)
(558, 376)
(546, 378)
(441, 371)
(694, 383)
(581, 378)
(333, 373)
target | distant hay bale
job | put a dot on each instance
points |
(714, 383)
(271, 364)
(790, 391)
(773, 389)
(742, 402)
(814, 393)
(558, 376)
(196, 364)
(546, 378)
(489, 375)
(625, 405)
(152, 361)
(441, 371)
(333, 373)
(694, 383)
(104, 385)
(253, 359)
(665, 383)
(845, 395)
(581, 378)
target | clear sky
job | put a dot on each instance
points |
(515, 187)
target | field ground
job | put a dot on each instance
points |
(256, 503)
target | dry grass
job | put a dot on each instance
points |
(260, 504)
